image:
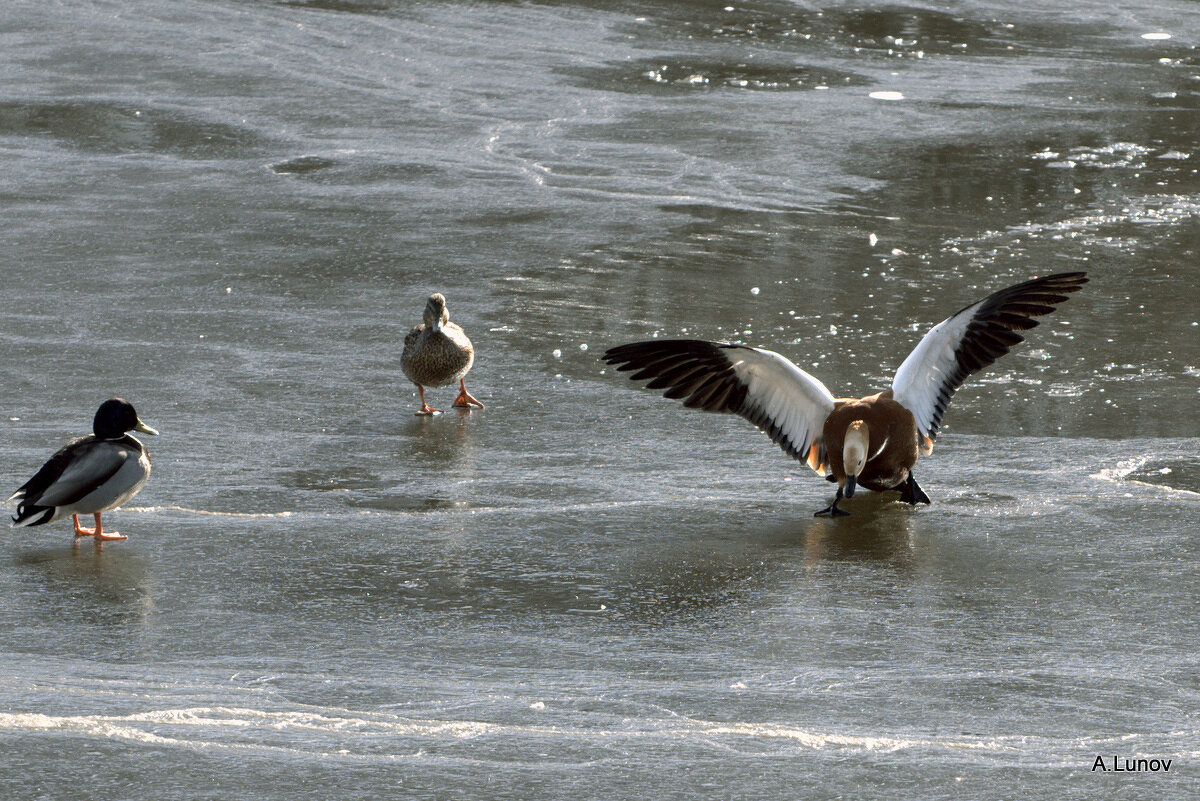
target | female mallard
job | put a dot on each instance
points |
(90, 474)
(437, 353)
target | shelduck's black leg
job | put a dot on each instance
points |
(832, 510)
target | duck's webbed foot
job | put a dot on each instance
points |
(912, 494)
(832, 510)
(464, 399)
(426, 410)
(80, 531)
(98, 532)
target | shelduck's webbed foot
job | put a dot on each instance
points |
(912, 494)
(832, 510)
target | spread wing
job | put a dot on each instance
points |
(969, 341)
(788, 404)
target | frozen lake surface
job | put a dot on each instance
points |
(231, 212)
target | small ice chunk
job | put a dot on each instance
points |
(556, 353)
(873, 240)
(754, 290)
(583, 346)
(886, 95)
(1156, 36)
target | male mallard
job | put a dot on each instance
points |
(870, 442)
(437, 353)
(90, 475)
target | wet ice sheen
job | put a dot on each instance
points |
(583, 590)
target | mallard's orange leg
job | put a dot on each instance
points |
(101, 536)
(97, 532)
(464, 398)
(426, 409)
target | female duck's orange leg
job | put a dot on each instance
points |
(464, 398)
(426, 409)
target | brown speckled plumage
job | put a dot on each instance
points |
(437, 353)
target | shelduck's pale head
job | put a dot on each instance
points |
(854, 453)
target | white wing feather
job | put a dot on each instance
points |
(784, 401)
(969, 341)
(788, 404)
(920, 380)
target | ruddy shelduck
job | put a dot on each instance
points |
(870, 442)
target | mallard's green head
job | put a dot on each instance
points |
(115, 417)
(436, 315)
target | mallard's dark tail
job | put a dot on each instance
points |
(30, 515)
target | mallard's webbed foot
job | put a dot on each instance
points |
(464, 399)
(426, 410)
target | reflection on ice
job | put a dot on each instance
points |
(105, 585)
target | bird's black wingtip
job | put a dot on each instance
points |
(1064, 282)
(636, 351)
